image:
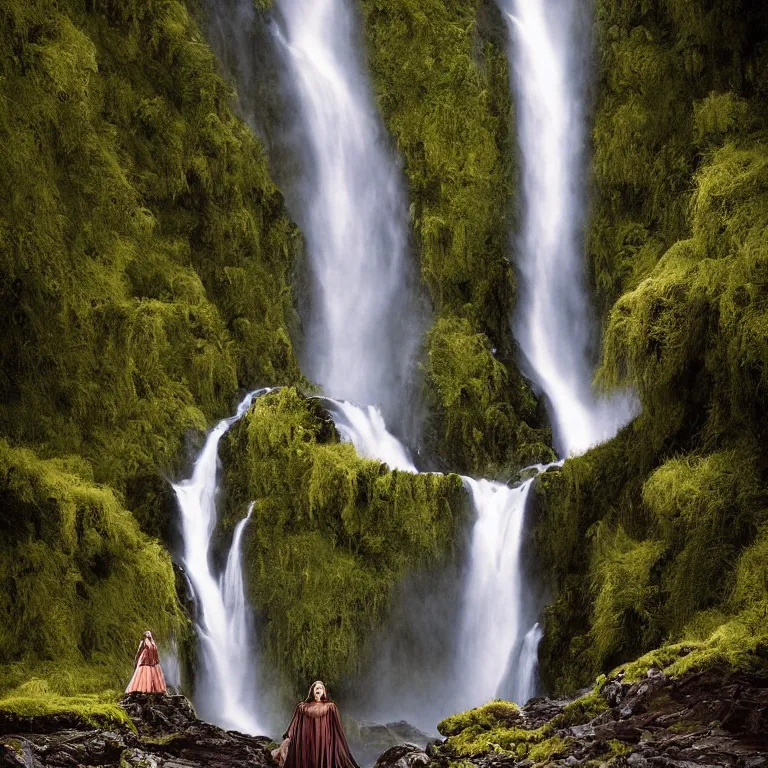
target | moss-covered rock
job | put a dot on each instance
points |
(669, 517)
(440, 76)
(79, 582)
(331, 533)
(145, 263)
(144, 252)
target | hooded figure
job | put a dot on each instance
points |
(315, 737)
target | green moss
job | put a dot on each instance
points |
(79, 582)
(145, 253)
(440, 75)
(331, 533)
(35, 699)
(494, 713)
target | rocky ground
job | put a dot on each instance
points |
(703, 720)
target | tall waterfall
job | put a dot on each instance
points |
(225, 688)
(552, 324)
(361, 336)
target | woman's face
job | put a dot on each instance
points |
(318, 691)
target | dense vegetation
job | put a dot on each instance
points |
(146, 279)
(331, 534)
(145, 263)
(440, 74)
(671, 518)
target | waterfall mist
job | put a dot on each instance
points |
(548, 41)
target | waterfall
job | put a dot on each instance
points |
(493, 605)
(225, 690)
(493, 600)
(361, 336)
(366, 430)
(552, 323)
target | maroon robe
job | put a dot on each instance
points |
(317, 738)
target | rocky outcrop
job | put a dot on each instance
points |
(168, 735)
(702, 720)
(373, 741)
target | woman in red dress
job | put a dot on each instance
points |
(147, 675)
(315, 738)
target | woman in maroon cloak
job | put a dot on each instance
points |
(147, 673)
(315, 738)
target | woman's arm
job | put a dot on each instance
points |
(138, 654)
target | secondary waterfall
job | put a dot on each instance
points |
(225, 689)
(493, 606)
(492, 612)
(552, 323)
(362, 334)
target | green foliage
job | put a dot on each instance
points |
(79, 582)
(676, 78)
(144, 252)
(440, 75)
(480, 425)
(145, 261)
(331, 533)
(670, 515)
(35, 699)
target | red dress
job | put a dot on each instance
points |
(148, 675)
(315, 738)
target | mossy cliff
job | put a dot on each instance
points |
(662, 535)
(80, 581)
(145, 262)
(331, 534)
(440, 75)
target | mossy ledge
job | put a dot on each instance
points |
(331, 533)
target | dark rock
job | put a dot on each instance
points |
(403, 756)
(169, 736)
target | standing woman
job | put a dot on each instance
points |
(147, 675)
(315, 738)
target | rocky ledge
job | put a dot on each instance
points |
(168, 735)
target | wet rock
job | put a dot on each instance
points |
(369, 740)
(403, 756)
(169, 735)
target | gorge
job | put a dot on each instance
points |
(431, 504)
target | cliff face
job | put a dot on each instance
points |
(660, 535)
(145, 263)
(147, 278)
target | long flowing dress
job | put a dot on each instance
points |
(148, 675)
(315, 739)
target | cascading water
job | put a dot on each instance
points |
(493, 599)
(553, 318)
(362, 335)
(493, 606)
(225, 690)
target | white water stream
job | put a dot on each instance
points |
(553, 321)
(363, 331)
(225, 690)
